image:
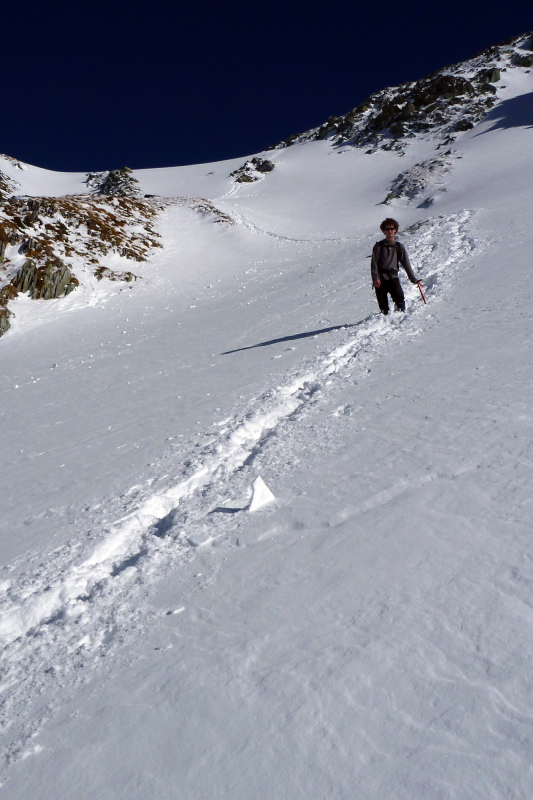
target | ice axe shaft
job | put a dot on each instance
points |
(422, 293)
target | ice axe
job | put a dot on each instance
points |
(422, 293)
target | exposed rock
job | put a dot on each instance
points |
(5, 313)
(7, 185)
(408, 110)
(204, 207)
(105, 272)
(489, 75)
(46, 282)
(424, 176)
(252, 170)
(55, 232)
(464, 125)
(263, 164)
(9, 234)
(16, 163)
(7, 293)
(33, 212)
(116, 182)
(523, 61)
(246, 177)
(397, 130)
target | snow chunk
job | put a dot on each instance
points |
(262, 495)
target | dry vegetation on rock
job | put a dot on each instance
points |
(56, 234)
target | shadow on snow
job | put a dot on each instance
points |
(291, 338)
(517, 112)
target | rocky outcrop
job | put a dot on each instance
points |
(5, 313)
(440, 105)
(45, 282)
(116, 182)
(7, 293)
(43, 239)
(7, 185)
(252, 170)
(525, 60)
(112, 275)
(51, 280)
(79, 226)
(425, 178)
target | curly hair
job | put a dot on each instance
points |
(387, 223)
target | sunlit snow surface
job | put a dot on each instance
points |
(369, 633)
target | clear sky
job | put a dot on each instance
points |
(102, 85)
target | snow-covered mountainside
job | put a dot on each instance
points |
(357, 623)
(442, 104)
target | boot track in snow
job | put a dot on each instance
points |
(60, 617)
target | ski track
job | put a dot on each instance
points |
(61, 616)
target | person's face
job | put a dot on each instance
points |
(390, 233)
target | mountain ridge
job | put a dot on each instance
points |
(444, 102)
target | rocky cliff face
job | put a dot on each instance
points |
(440, 105)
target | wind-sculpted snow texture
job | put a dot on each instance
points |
(365, 633)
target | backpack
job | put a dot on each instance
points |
(397, 245)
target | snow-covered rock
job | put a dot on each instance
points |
(115, 182)
(253, 170)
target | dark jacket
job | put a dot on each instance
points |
(386, 258)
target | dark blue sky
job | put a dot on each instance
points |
(101, 85)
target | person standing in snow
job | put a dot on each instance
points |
(387, 256)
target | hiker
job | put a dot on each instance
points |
(387, 256)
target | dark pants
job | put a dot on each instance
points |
(394, 288)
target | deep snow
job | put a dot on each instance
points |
(369, 632)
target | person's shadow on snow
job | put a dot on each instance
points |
(291, 338)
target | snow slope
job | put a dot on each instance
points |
(366, 634)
